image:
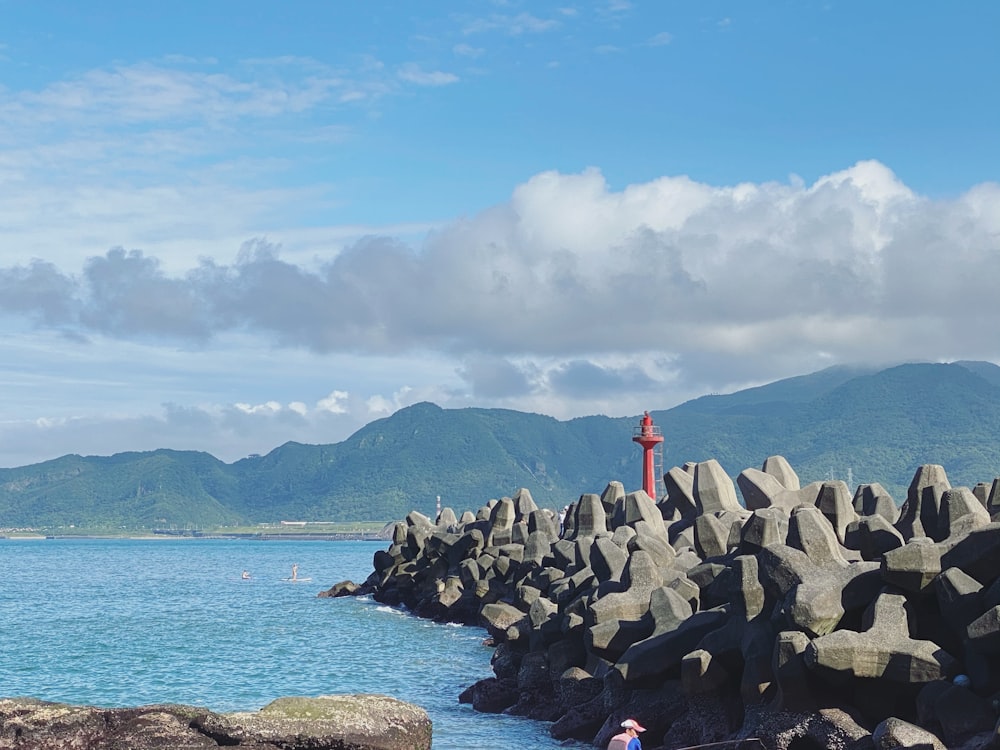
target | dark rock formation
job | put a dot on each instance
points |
(811, 618)
(334, 722)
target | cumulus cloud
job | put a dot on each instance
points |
(855, 265)
(334, 403)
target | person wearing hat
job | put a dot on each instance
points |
(629, 739)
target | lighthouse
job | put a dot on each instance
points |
(650, 438)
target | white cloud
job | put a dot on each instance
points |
(467, 50)
(413, 73)
(513, 25)
(270, 407)
(380, 406)
(661, 39)
(834, 251)
(334, 403)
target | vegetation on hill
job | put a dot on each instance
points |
(866, 424)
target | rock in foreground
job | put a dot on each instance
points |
(331, 722)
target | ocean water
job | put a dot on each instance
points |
(132, 622)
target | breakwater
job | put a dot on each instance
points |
(807, 617)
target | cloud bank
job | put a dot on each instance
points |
(851, 267)
(571, 297)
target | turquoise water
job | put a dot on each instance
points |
(132, 622)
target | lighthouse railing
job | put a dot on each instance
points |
(648, 430)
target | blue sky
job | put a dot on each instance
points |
(228, 225)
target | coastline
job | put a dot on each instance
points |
(349, 531)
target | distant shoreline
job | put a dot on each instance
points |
(346, 537)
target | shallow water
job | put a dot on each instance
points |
(132, 622)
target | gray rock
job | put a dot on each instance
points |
(524, 503)
(447, 519)
(653, 541)
(812, 531)
(639, 577)
(834, 502)
(680, 492)
(589, 518)
(701, 672)
(502, 518)
(883, 651)
(650, 660)
(765, 527)
(612, 495)
(959, 599)
(977, 553)
(821, 601)
(960, 713)
(961, 513)
(913, 566)
(713, 489)
(546, 521)
(896, 734)
(498, 617)
(607, 559)
(873, 500)
(762, 490)
(333, 722)
(876, 536)
(779, 468)
(537, 547)
(710, 536)
(993, 499)
(638, 507)
(982, 492)
(757, 645)
(984, 631)
(622, 535)
(747, 595)
(919, 514)
(791, 674)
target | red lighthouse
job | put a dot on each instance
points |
(650, 438)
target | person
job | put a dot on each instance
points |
(295, 571)
(628, 739)
(246, 575)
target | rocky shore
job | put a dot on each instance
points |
(335, 722)
(803, 618)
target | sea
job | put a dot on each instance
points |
(129, 622)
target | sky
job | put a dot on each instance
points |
(229, 225)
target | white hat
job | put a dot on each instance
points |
(633, 724)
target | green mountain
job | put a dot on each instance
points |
(865, 425)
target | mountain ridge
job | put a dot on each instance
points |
(878, 425)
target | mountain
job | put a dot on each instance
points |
(868, 425)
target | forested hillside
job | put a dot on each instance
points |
(843, 423)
